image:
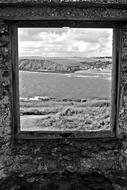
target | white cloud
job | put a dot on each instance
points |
(65, 42)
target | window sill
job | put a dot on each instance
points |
(77, 135)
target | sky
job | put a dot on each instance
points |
(65, 42)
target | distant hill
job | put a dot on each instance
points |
(63, 65)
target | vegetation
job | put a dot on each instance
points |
(71, 115)
(63, 65)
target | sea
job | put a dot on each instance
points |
(77, 85)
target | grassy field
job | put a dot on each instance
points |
(65, 115)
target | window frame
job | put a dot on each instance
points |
(116, 55)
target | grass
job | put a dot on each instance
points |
(65, 115)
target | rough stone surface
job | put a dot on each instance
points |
(60, 164)
(41, 13)
(59, 1)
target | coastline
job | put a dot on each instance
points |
(92, 71)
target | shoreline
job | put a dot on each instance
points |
(47, 71)
(90, 71)
(46, 99)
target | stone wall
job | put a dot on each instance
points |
(60, 164)
(119, 2)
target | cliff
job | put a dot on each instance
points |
(67, 65)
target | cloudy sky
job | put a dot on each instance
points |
(64, 42)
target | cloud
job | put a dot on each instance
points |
(65, 42)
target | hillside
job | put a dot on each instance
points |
(63, 65)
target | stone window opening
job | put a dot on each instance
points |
(16, 29)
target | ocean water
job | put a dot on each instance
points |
(78, 85)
